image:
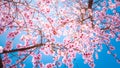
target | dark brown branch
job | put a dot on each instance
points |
(118, 0)
(1, 65)
(22, 49)
(107, 28)
(90, 3)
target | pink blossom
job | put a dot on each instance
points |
(118, 61)
(41, 65)
(118, 39)
(36, 57)
(11, 34)
(84, 30)
(2, 29)
(70, 65)
(83, 11)
(49, 65)
(8, 45)
(112, 47)
(1, 49)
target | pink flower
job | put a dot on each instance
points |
(62, 0)
(1, 49)
(83, 11)
(49, 65)
(8, 45)
(70, 65)
(11, 35)
(92, 65)
(7, 61)
(118, 38)
(19, 45)
(41, 65)
(48, 1)
(47, 10)
(2, 29)
(36, 57)
(112, 6)
(87, 55)
(50, 20)
(112, 47)
(118, 61)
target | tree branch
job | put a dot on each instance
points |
(21, 49)
(1, 65)
(90, 3)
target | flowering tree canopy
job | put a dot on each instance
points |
(84, 25)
